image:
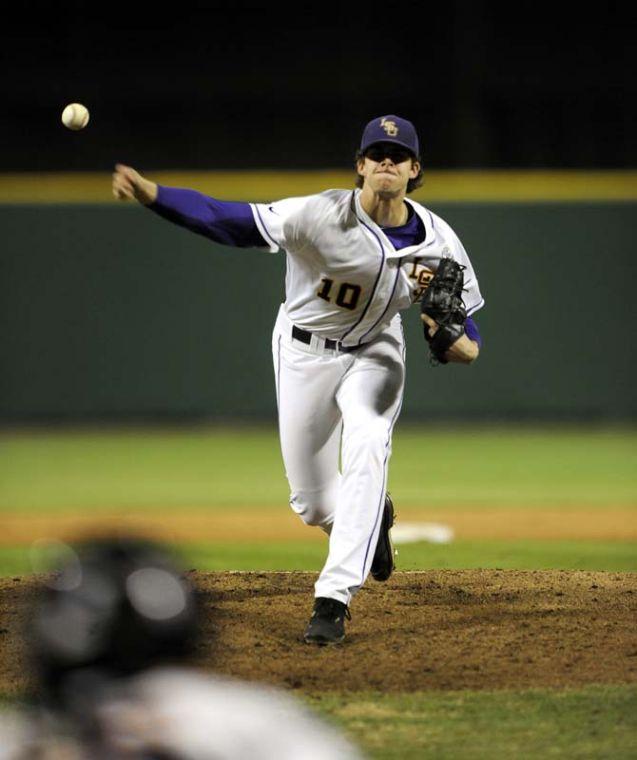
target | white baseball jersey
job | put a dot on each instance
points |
(345, 280)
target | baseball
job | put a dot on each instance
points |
(75, 116)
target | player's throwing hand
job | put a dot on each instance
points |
(129, 185)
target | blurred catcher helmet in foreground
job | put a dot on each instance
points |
(115, 606)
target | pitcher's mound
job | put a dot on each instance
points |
(449, 629)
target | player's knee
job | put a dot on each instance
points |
(313, 507)
(367, 446)
(373, 432)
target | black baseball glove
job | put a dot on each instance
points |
(442, 301)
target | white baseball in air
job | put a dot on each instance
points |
(75, 116)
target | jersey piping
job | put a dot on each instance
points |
(391, 297)
(387, 447)
(264, 229)
(472, 309)
(371, 297)
(396, 278)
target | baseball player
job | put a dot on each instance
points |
(355, 259)
(110, 638)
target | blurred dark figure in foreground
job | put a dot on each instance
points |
(110, 638)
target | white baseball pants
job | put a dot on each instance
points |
(339, 408)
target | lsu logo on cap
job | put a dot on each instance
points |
(389, 127)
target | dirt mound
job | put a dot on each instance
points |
(477, 629)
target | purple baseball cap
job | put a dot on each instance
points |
(391, 129)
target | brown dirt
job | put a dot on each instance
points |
(476, 629)
(605, 523)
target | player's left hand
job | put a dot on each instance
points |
(442, 309)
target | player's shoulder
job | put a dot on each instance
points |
(325, 210)
(429, 217)
(336, 195)
(334, 198)
(300, 204)
(439, 226)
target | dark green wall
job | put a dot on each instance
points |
(110, 311)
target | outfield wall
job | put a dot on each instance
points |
(109, 311)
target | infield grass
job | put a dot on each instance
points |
(51, 470)
(107, 471)
(599, 721)
(618, 556)
(519, 555)
(593, 722)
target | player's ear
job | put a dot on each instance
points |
(415, 168)
(360, 165)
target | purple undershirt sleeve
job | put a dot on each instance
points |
(471, 330)
(226, 222)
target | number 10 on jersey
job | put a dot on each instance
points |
(346, 297)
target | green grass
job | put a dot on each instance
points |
(617, 556)
(516, 467)
(598, 721)
(522, 555)
(102, 471)
(594, 722)
(208, 468)
(111, 469)
(310, 555)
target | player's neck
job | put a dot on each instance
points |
(386, 212)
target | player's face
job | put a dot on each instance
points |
(387, 168)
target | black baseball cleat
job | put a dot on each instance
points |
(327, 624)
(383, 562)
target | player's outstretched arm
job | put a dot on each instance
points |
(463, 351)
(228, 222)
(129, 185)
